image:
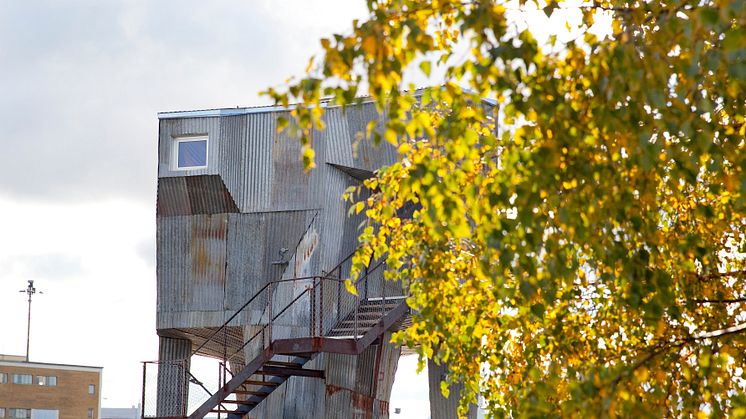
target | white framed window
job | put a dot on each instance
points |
(190, 153)
(91, 389)
(2, 412)
(22, 379)
(90, 413)
(43, 380)
(3, 379)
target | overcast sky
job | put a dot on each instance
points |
(81, 82)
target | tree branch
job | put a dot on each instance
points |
(723, 301)
(719, 333)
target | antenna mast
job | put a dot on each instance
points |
(30, 290)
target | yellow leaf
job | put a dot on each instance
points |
(369, 45)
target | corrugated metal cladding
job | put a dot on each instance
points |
(203, 194)
(441, 407)
(253, 216)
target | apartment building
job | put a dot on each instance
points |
(36, 390)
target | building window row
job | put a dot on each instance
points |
(42, 380)
(15, 413)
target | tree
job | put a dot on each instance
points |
(581, 251)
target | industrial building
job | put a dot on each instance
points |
(252, 252)
(39, 390)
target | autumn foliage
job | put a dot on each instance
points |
(578, 246)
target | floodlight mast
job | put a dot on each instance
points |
(30, 290)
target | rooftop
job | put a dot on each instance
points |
(20, 361)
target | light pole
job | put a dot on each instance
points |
(30, 290)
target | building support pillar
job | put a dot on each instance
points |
(440, 407)
(173, 377)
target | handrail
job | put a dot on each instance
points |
(330, 309)
(264, 288)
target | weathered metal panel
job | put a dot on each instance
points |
(257, 184)
(191, 268)
(291, 184)
(339, 139)
(255, 242)
(440, 407)
(188, 195)
(367, 155)
(174, 128)
(366, 370)
(232, 145)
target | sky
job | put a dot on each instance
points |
(81, 84)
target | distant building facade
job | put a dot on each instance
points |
(35, 390)
(120, 413)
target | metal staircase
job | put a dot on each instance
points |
(299, 318)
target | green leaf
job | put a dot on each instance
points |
(425, 67)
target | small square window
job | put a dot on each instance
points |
(91, 389)
(190, 153)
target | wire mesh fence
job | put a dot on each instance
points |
(170, 390)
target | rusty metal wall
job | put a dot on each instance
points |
(440, 407)
(191, 269)
(210, 264)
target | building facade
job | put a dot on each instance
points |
(48, 391)
(251, 254)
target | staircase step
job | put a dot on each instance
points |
(360, 321)
(244, 402)
(287, 372)
(252, 393)
(284, 364)
(261, 383)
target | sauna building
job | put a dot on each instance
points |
(252, 252)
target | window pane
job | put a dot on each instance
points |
(22, 379)
(20, 413)
(192, 153)
(2, 412)
(91, 389)
(52, 381)
(3, 378)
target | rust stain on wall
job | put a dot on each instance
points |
(207, 248)
(303, 253)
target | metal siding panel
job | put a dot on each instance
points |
(187, 195)
(367, 155)
(338, 137)
(258, 179)
(232, 156)
(366, 370)
(173, 128)
(191, 262)
(254, 242)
